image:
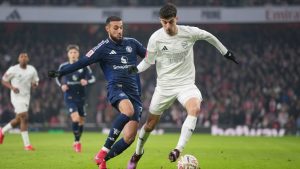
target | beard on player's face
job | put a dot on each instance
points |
(117, 37)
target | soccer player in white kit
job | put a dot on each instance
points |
(171, 49)
(19, 79)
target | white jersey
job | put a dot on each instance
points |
(21, 79)
(174, 56)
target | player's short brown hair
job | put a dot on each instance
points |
(72, 46)
(168, 11)
(112, 18)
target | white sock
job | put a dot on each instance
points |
(6, 128)
(143, 136)
(25, 138)
(105, 149)
(186, 131)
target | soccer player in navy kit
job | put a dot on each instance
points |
(114, 55)
(73, 86)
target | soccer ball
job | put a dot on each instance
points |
(187, 162)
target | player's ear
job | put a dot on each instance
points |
(107, 28)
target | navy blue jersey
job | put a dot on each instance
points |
(114, 59)
(76, 91)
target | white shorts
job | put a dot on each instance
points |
(20, 106)
(162, 99)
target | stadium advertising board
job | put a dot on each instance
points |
(266, 14)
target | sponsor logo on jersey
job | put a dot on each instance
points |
(113, 52)
(115, 67)
(90, 53)
(129, 49)
(124, 60)
(164, 48)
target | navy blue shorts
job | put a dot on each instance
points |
(75, 106)
(115, 95)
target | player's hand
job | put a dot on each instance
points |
(34, 85)
(64, 88)
(53, 74)
(132, 70)
(15, 90)
(83, 82)
(229, 55)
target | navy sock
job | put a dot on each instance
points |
(80, 127)
(76, 132)
(116, 129)
(117, 149)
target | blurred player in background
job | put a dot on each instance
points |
(171, 49)
(114, 55)
(73, 86)
(19, 79)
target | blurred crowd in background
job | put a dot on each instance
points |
(261, 92)
(135, 3)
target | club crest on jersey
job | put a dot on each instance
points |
(124, 60)
(74, 77)
(129, 49)
(184, 44)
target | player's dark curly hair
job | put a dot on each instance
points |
(168, 11)
(112, 18)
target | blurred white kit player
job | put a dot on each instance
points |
(171, 49)
(19, 79)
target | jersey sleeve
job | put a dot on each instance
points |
(141, 51)
(60, 80)
(35, 78)
(93, 56)
(89, 75)
(151, 51)
(8, 75)
(199, 34)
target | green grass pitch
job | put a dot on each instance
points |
(53, 151)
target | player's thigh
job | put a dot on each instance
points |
(73, 110)
(137, 106)
(188, 92)
(125, 106)
(161, 100)
(20, 106)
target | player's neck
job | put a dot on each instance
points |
(23, 66)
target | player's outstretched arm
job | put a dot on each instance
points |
(143, 65)
(229, 55)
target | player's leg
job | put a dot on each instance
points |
(24, 130)
(191, 99)
(76, 131)
(161, 100)
(129, 131)
(12, 124)
(126, 111)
